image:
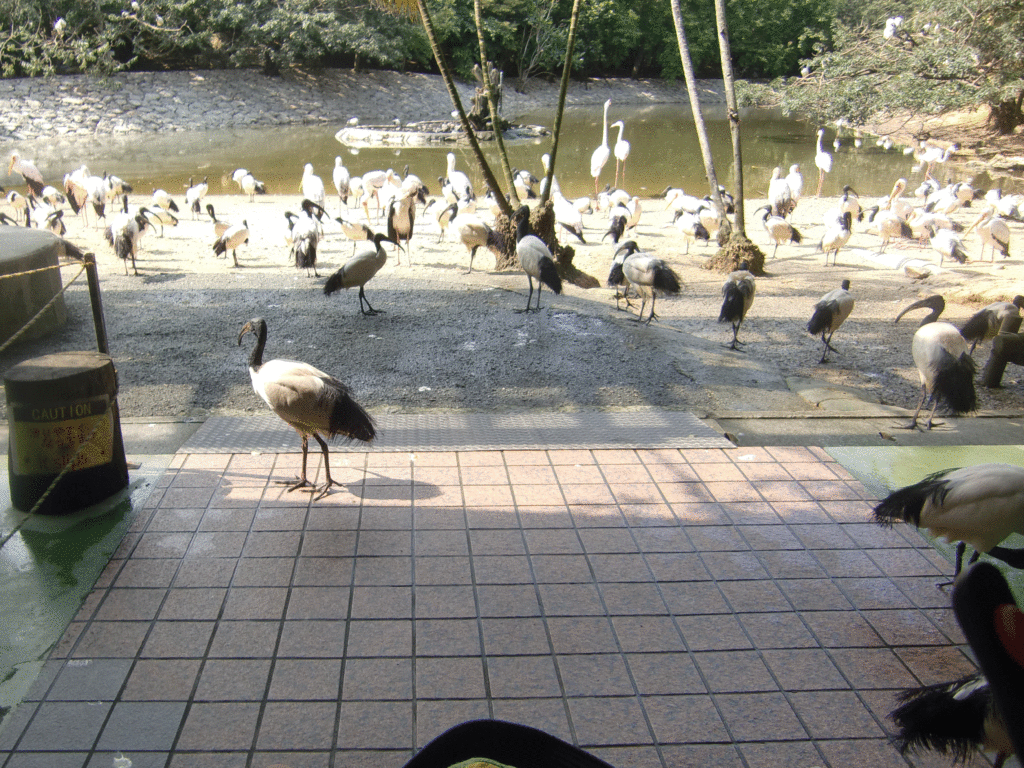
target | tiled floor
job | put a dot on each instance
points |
(662, 607)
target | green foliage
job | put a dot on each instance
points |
(945, 56)
(523, 37)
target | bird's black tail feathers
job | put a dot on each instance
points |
(495, 241)
(906, 503)
(947, 718)
(305, 254)
(220, 246)
(616, 228)
(954, 383)
(821, 320)
(348, 419)
(733, 305)
(195, 206)
(665, 279)
(700, 232)
(615, 276)
(795, 236)
(549, 275)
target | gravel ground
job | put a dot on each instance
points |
(453, 341)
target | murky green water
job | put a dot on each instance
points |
(664, 151)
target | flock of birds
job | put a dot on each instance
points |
(980, 506)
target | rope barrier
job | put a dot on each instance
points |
(39, 314)
(33, 271)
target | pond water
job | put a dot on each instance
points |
(664, 152)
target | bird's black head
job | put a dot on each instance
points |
(845, 285)
(848, 190)
(630, 247)
(745, 265)
(1018, 301)
(256, 326)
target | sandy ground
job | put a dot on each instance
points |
(453, 341)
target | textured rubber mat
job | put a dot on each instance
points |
(473, 432)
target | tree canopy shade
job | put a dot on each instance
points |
(938, 56)
(522, 37)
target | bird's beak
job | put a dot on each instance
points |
(927, 302)
(245, 329)
(389, 240)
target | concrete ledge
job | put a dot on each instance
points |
(22, 296)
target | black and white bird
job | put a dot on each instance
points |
(778, 229)
(162, 199)
(535, 259)
(888, 225)
(957, 719)
(984, 324)
(359, 270)
(738, 294)
(690, 227)
(831, 312)
(978, 506)
(645, 272)
(355, 232)
(232, 238)
(461, 186)
(248, 183)
(305, 234)
(219, 226)
(194, 194)
(311, 402)
(837, 234)
(947, 244)
(124, 233)
(947, 370)
(568, 216)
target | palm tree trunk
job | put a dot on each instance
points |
(734, 113)
(563, 89)
(495, 120)
(698, 115)
(453, 93)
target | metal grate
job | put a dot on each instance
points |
(473, 432)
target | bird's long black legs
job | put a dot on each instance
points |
(371, 311)
(301, 481)
(529, 298)
(327, 469)
(736, 342)
(913, 420)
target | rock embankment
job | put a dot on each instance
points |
(82, 105)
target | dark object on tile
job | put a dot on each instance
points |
(507, 743)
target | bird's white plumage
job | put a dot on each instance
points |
(602, 153)
(312, 186)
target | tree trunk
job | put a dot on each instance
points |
(734, 113)
(1007, 115)
(566, 69)
(698, 115)
(493, 107)
(453, 93)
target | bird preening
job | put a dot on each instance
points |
(313, 403)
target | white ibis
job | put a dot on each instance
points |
(535, 259)
(312, 186)
(125, 232)
(984, 324)
(359, 270)
(980, 506)
(161, 199)
(935, 303)
(889, 226)
(690, 227)
(823, 160)
(836, 235)
(232, 238)
(194, 193)
(645, 272)
(946, 368)
(602, 153)
(831, 312)
(219, 227)
(568, 216)
(311, 402)
(778, 229)
(947, 244)
(738, 294)
(780, 196)
(524, 182)
(621, 151)
(248, 183)
(305, 236)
